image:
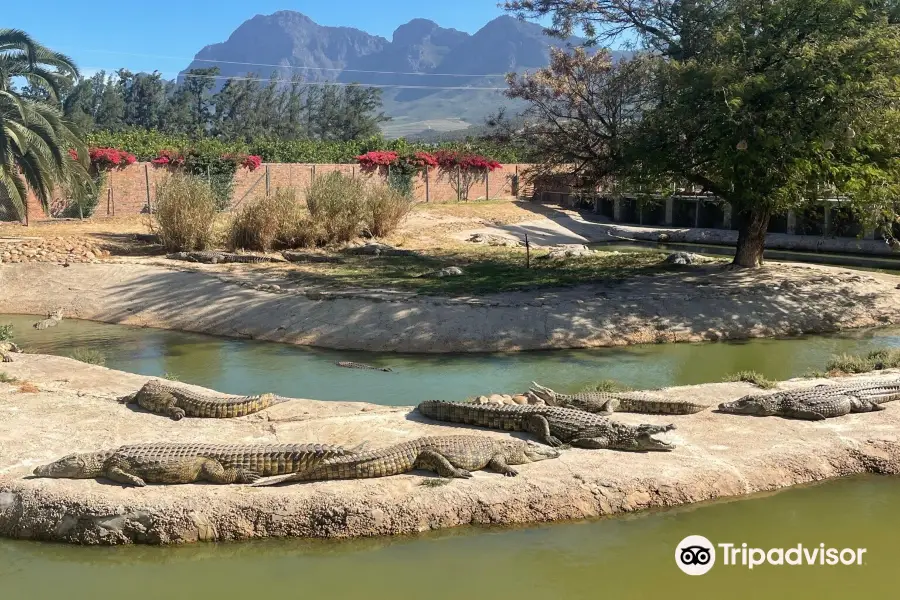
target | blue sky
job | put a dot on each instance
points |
(144, 36)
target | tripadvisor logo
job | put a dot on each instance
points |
(696, 555)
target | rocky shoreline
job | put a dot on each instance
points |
(688, 304)
(75, 409)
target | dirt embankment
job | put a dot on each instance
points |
(704, 302)
(75, 410)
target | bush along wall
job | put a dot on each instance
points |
(217, 169)
(462, 170)
(147, 145)
(81, 201)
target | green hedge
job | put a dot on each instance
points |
(146, 146)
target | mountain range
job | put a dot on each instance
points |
(420, 56)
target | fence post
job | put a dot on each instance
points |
(427, 190)
(313, 178)
(458, 190)
(487, 184)
(267, 180)
(147, 182)
(352, 172)
(108, 200)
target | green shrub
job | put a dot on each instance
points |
(268, 222)
(89, 356)
(607, 385)
(384, 209)
(753, 377)
(7, 378)
(873, 361)
(185, 213)
(5, 332)
(335, 204)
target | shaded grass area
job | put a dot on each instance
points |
(753, 377)
(485, 270)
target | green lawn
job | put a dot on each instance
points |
(486, 270)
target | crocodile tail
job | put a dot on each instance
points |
(658, 407)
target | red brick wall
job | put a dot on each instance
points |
(126, 189)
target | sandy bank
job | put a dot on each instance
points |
(692, 304)
(75, 410)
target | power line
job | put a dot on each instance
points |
(250, 64)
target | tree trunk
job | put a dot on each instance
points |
(751, 238)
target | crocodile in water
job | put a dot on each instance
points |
(177, 402)
(554, 425)
(817, 403)
(6, 350)
(138, 464)
(52, 320)
(609, 402)
(448, 456)
(354, 365)
(214, 257)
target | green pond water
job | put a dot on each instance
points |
(624, 557)
(621, 558)
(248, 367)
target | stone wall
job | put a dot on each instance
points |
(126, 191)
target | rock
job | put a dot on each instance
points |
(495, 399)
(520, 399)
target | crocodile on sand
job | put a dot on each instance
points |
(52, 320)
(448, 456)
(6, 348)
(817, 403)
(215, 257)
(354, 365)
(139, 464)
(553, 425)
(177, 402)
(610, 402)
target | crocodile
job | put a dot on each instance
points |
(355, 365)
(448, 456)
(817, 403)
(553, 425)
(177, 402)
(52, 320)
(610, 402)
(139, 464)
(6, 350)
(215, 257)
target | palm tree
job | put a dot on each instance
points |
(35, 138)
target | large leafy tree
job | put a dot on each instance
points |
(35, 138)
(769, 105)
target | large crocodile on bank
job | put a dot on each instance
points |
(7, 348)
(215, 257)
(139, 464)
(448, 456)
(610, 402)
(554, 425)
(177, 402)
(817, 403)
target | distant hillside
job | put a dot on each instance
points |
(421, 54)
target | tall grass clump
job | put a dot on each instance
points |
(757, 379)
(875, 360)
(185, 213)
(335, 204)
(268, 222)
(89, 356)
(384, 209)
